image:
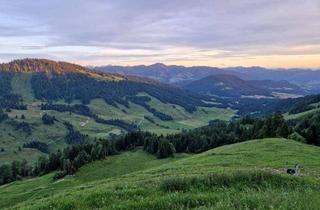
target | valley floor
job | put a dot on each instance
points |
(249, 175)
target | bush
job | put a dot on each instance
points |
(59, 175)
(174, 184)
(165, 149)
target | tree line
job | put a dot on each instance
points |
(73, 86)
(85, 111)
(66, 162)
(218, 133)
(142, 101)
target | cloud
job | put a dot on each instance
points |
(233, 28)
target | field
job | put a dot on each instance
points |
(54, 135)
(182, 119)
(12, 140)
(249, 175)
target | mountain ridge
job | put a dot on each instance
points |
(228, 85)
(306, 78)
(41, 65)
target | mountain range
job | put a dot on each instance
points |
(306, 79)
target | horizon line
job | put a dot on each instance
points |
(163, 63)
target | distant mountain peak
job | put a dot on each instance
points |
(37, 65)
(158, 65)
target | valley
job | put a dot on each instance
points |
(159, 105)
(72, 136)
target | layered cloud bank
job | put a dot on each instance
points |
(272, 33)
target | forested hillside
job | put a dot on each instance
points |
(38, 98)
(225, 85)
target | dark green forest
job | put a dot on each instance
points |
(81, 87)
(7, 98)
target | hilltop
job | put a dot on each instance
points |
(239, 176)
(226, 86)
(34, 65)
(40, 65)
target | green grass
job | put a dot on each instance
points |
(182, 119)
(315, 108)
(123, 164)
(249, 175)
(54, 135)
(301, 114)
(119, 165)
(11, 139)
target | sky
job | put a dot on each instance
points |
(269, 33)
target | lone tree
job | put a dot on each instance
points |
(166, 149)
(47, 119)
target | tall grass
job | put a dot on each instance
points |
(239, 179)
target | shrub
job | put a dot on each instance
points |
(174, 184)
(48, 120)
(59, 175)
(165, 149)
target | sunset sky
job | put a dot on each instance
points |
(269, 33)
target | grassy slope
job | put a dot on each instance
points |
(314, 109)
(301, 114)
(11, 140)
(115, 166)
(182, 119)
(133, 181)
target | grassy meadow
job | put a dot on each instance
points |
(249, 175)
